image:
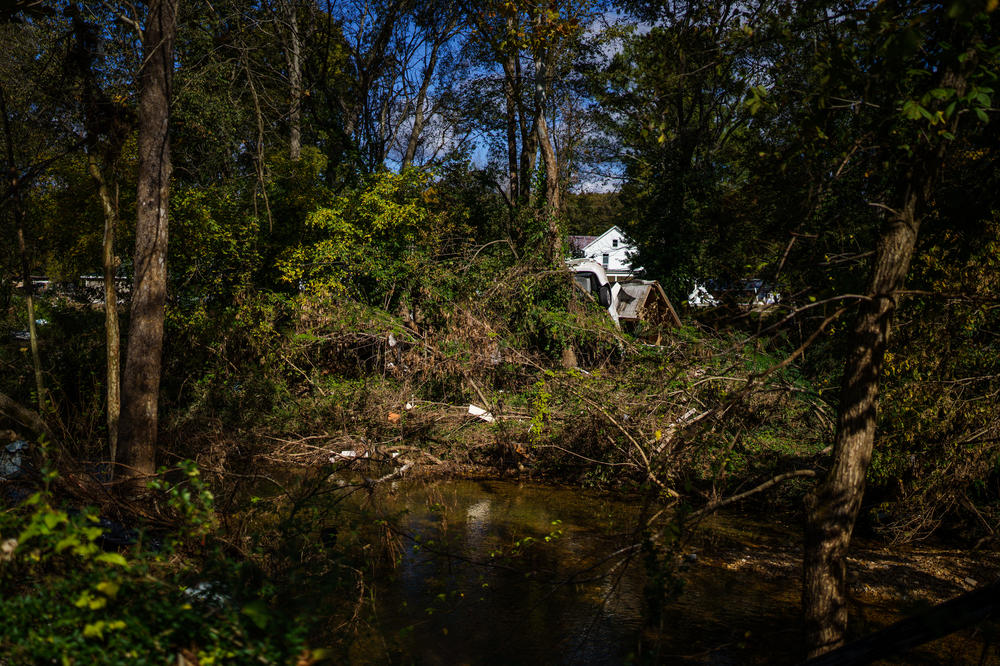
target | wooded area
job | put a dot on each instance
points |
(368, 204)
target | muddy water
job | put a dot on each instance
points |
(505, 573)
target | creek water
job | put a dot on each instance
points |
(496, 572)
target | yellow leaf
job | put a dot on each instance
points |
(95, 629)
(107, 588)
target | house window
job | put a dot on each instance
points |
(614, 243)
(604, 259)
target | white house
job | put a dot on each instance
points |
(611, 249)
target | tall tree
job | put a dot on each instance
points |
(673, 98)
(141, 380)
(107, 125)
(15, 185)
(905, 85)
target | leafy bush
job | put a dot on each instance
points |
(68, 600)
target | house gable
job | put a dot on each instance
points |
(617, 248)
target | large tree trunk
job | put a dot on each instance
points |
(113, 376)
(832, 508)
(552, 199)
(293, 56)
(141, 380)
(529, 140)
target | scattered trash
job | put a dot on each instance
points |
(481, 413)
(10, 459)
(972, 581)
(208, 593)
(347, 455)
(408, 406)
(394, 417)
(7, 549)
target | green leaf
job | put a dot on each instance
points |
(54, 518)
(911, 110)
(108, 588)
(112, 558)
(257, 612)
(982, 115)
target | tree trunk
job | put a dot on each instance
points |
(832, 508)
(141, 380)
(293, 55)
(529, 140)
(29, 300)
(29, 291)
(31, 419)
(112, 336)
(511, 106)
(418, 112)
(552, 202)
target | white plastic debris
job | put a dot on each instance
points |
(481, 413)
(347, 455)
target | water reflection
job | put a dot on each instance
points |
(497, 573)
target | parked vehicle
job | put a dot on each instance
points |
(591, 277)
(747, 294)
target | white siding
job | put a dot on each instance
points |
(611, 242)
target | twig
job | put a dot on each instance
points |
(773, 481)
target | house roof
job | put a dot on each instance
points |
(578, 243)
(633, 297)
(581, 243)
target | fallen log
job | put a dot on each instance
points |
(26, 417)
(925, 626)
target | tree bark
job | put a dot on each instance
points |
(29, 300)
(293, 55)
(111, 329)
(141, 380)
(510, 92)
(29, 291)
(418, 111)
(29, 418)
(529, 145)
(552, 202)
(832, 508)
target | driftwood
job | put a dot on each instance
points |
(923, 627)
